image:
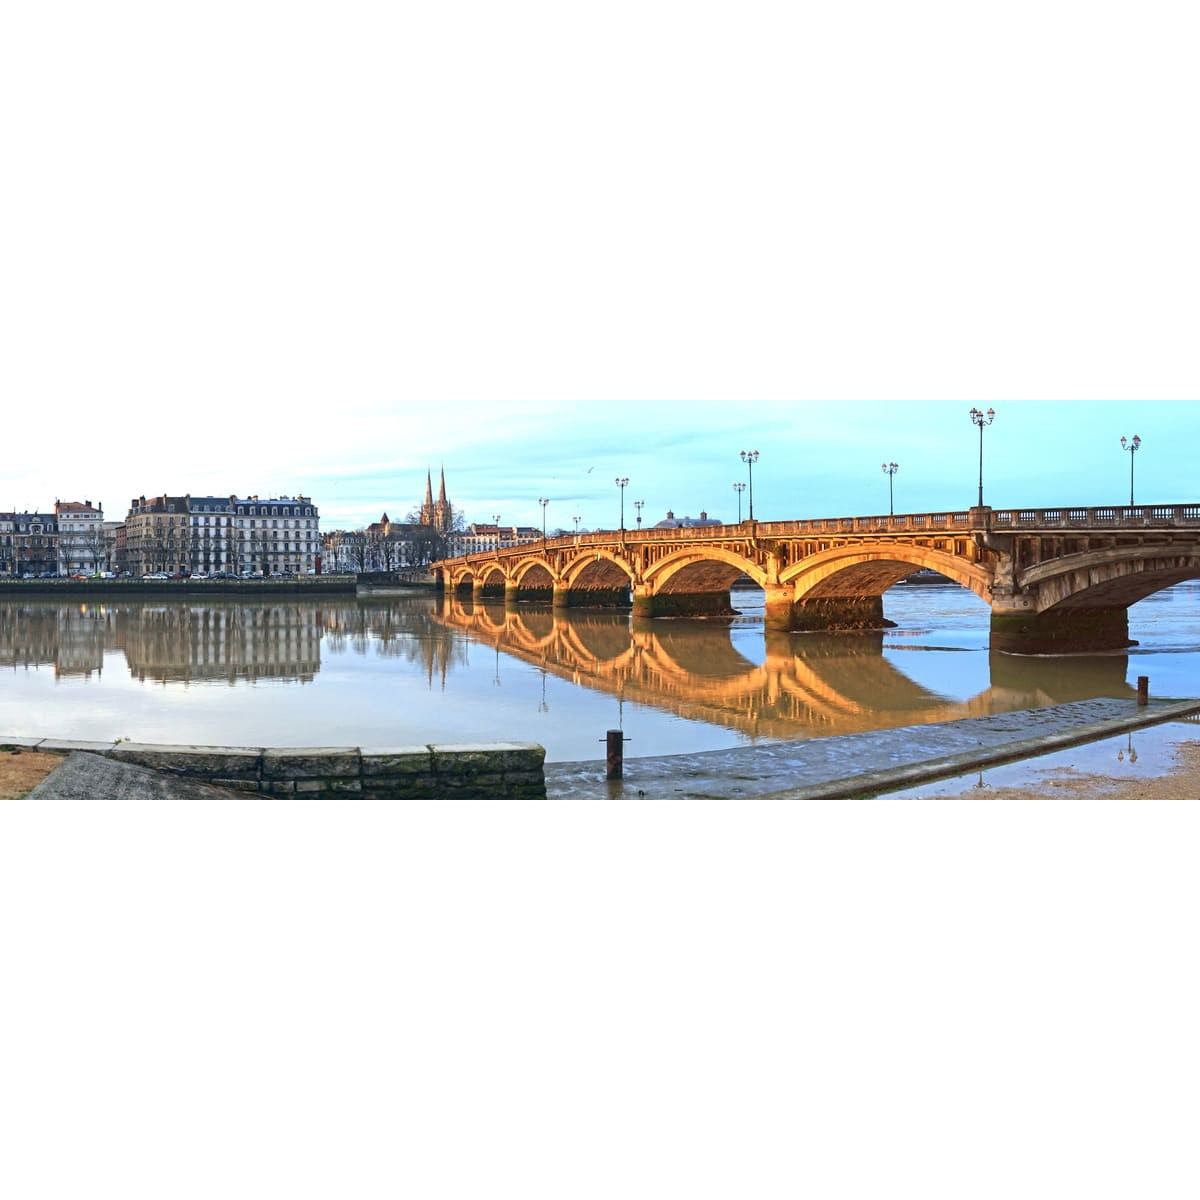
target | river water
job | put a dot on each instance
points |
(413, 669)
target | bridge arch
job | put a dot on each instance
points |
(1110, 578)
(532, 573)
(702, 569)
(869, 570)
(599, 568)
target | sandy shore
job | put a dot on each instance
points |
(23, 770)
(1180, 782)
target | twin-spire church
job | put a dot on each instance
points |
(436, 513)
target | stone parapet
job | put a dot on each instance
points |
(477, 771)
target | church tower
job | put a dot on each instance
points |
(438, 514)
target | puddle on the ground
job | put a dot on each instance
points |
(1148, 753)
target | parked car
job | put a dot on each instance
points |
(157, 575)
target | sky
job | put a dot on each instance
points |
(257, 249)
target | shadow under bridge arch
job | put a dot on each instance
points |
(843, 588)
(596, 579)
(693, 582)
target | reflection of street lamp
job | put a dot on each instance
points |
(890, 469)
(543, 503)
(1132, 752)
(639, 505)
(750, 457)
(1132, 447)
(739, 488)
(622, 484)
(982, 420)
(543, 707)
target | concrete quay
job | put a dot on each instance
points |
(861, 765)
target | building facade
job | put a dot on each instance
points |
(81, 546)
(28, 545)
(479, 537)
(276, 535)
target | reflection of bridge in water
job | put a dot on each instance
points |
(816, 684)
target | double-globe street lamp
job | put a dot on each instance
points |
(739, 488)
(890, 469)
(982, 420)
(622, 483)
(543, 503)
(750, 457)
(1132, 447)
(639, 505)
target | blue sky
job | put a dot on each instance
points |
(272, 253)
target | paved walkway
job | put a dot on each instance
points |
(861, 764)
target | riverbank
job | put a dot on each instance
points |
(897, 762)
(296, 585)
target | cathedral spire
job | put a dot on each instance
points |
(429, 488)
(442, 489)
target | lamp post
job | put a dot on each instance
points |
(543, 503)
(639, 505)
(739, 488)
(982, 420)
(576, 520)
(622, 483)
(1132, 447)
(890, 469)
(750, 457)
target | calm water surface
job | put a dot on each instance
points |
(414, 669)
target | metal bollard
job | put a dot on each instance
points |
(1143, 690)
(615, 758)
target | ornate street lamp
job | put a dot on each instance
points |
(1132, 447)
(982, 420)
(639, 505)
(750, 457)
(576, 520)
(890, 469)
(622, 483)
(739, 488)
(543, 503)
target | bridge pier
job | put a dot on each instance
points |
(565, 597)
(648, 603)
(1061, 631)
(826, 613)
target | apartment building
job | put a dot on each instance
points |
(222, 534)
(81, 547)
(28, 544)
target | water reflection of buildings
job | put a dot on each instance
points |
(394, 628)
(182, 641)
(72, 637)
(806, 685)
(186, 642)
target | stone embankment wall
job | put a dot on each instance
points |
(301, 585)
(495, 770)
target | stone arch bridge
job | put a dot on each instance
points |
(1057, 580)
